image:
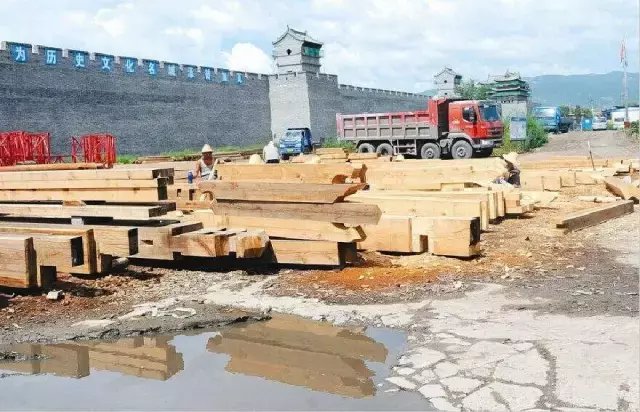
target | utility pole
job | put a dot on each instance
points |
(625, 94)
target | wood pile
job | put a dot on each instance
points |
(77, 221)
(119, 185)
(304, 213)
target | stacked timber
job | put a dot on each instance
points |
(569, 171)
(301, 207)
(135, 185)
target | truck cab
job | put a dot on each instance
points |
(295, 141)
(551, 119)
(476, 122)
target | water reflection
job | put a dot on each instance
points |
(151, 358)
(300, 352)
(286, 349)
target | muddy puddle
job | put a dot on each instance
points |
(287, 363)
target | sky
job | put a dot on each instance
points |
(390, 44)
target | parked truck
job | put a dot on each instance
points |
(459, 128)
(295, 141)
(551, 118)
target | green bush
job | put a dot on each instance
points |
(125, 159)
(536, 135)
(335, 142)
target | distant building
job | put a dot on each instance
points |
(295, 51)
(446, 82)
(511, 92)
(508, 88)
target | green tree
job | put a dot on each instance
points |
(473, 91)
(565, 111)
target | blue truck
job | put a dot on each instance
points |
(551, 119)
(295, 141)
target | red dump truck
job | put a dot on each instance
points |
(449, 127)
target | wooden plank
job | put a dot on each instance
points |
(349, 213)
(430, 207)
(52, 166)
(294, 172)
(292, 228)
(485, 194)
(391, 234)
(120, 241)
(64, 359)
(59, 211)
(154, 241)
(593, 216)
(122, 195)
(279, 191)
(624, 190)
(329, 150)
(83, 184)
(307, 252)
(92, 175)
(362, 156)
(423, 179)
(18, 264)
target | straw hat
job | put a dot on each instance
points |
(511, 157)
(207, 149)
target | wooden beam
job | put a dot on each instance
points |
(122, 195)
(120, 241)
(593, 216)
(154, 242)
(391, 234)
(309, 252)
(18, 262)
(98, 184)
(52, 166)
(59, 211)
(426, 206)
(624, 190)
(449, 236)
(349, 213)
(291, 228)
(279, 191)
(294, 172)
(92, 175)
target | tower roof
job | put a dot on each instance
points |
(298, 35)
(447, 70)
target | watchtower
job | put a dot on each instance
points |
(295, 51)
(446, 81)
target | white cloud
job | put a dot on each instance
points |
(248, 58)
(396, 44)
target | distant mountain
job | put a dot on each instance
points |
(599, 90)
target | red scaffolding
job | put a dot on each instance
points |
(19, 146)
(94, 148)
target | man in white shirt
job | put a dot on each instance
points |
(270, 153)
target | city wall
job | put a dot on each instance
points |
(154, 106)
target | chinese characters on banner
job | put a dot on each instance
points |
(21, 53)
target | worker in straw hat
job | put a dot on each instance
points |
(205, 166)
(513, 172)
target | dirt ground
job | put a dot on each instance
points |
(574, 273)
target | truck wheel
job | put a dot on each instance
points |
(366, 148)
(430, 151)
(385, 149)
(461, 150)
(484, 152)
